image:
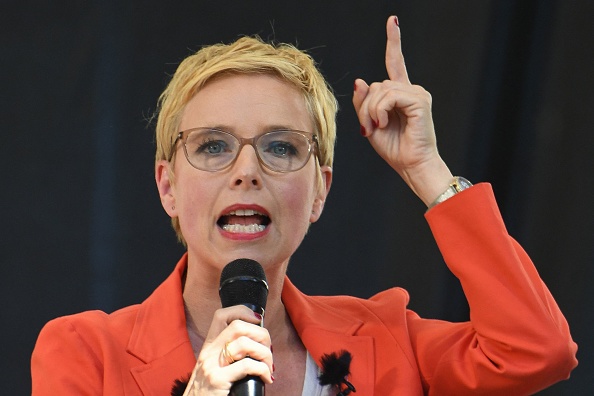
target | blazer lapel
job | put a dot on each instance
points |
(156, 378)
(160, 339)
(323, 331)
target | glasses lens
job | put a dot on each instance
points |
(210, 150)
(283, 151)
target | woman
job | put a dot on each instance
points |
(244, 153)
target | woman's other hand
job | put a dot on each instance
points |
(395, 116)
(236, 346)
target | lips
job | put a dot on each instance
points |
(244, 220)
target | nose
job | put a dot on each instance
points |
(246, 171)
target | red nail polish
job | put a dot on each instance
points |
(272, 376)
(271, 349)
(258, 316)
(396, 20)
(375, 124)
(355, 86)
(363, 131)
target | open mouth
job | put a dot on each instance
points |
(244, 221)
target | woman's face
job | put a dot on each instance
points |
(216, 209)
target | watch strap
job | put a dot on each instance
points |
(457, 185)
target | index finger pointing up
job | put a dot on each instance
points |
(394, 58)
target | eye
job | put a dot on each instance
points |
(212, 146)
(281, 148)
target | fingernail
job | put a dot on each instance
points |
(272, 376)
(258, 316)
(363, 131)
(375, 124)
(355, 86)
(396, 20)
(271, 349)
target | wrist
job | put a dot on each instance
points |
(456, 185)
(430, 180)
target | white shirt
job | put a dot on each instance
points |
(311, 385)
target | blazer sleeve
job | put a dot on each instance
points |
(64, 363)
(517, 341)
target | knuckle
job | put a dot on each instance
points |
(220, 314)
(200, 361)
(375, 86)
(262, 368)
(210, 377)
(421, 90)
(423, 94)
(253, 367)
(242, 341)
(235, 325)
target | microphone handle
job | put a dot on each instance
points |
(248, 386)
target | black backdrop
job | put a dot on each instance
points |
(83, 228)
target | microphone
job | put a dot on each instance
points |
(243, 282)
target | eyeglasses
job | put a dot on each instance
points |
(212, 150)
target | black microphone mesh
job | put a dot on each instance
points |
(243, 281)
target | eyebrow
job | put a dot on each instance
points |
(269, 128)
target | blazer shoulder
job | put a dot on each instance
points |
(386, 302)
(92, 325)
(385, 296)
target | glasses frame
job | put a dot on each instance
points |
(311, 137)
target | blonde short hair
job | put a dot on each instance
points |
(247, 55)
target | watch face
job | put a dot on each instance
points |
(463, 183)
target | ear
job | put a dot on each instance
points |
(323, 190)
(165, 187)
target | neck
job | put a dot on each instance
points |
(201, 298)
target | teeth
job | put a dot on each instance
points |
(244, 229)
(244, 212)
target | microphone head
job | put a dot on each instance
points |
(243, 281)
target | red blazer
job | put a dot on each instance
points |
(516, 343)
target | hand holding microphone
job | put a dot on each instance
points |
(243, 282)
(235, 358)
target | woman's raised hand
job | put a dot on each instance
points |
(236, 346)
(395, 116)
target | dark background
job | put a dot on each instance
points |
(512, 85)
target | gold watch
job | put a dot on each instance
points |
(457, 184)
